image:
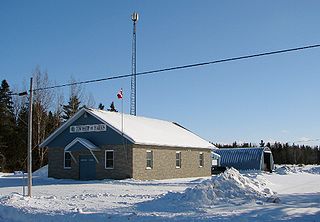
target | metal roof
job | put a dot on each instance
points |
(242, 158)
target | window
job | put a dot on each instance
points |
(67, 159)
(178, 159)
(109, 159)
(201, 159)
(149, 159)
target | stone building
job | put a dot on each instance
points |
(96, 144)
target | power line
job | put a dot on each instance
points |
(180, 67)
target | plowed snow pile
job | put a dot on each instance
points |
(291, 169)
(229, 187)
(42, 172)
(285, 170)
(314, 170)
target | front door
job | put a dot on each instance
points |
(87, 167)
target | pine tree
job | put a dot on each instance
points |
(7, 124)
(22, 137)
(112, 108)
(234, 144)
(54, 122)
(71, 108)
(101, 106)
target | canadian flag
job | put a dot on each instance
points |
(120, 94)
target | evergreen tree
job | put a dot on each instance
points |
(112, 108)
(42, 103)
(6, 104)
(2, 162)
(22, 138)
(7, 124)
(101, 106)
(54, 121)
(71, 108)
(234, 144)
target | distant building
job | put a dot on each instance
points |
(92, 145)
(259, 158)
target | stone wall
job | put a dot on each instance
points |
(131, 163)
(164, 163)
(122, 163)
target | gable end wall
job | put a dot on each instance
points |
(122, 163)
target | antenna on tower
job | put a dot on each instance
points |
(133, 104)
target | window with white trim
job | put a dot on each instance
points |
(149, 158)
(67, 160)
(178, 159)
(201, 159)
(109, 159)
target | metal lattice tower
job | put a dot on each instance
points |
(133, 98)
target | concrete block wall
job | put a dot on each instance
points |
(164, 163)
(122, 163)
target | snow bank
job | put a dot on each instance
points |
(313, 170)
(228, 188)
(291, 169)
(42, 172)
(285, 170)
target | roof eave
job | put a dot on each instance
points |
(174, 145)
(61, 128)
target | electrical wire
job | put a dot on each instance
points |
(178, 67)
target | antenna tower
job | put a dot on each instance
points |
(133, 104)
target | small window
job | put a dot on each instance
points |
(178, 159)
(149, 159)
(201, 159)
(67, 160)
(109, 159)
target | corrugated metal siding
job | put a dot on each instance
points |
(242, 158)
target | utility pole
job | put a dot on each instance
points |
(133, 99)
(30, 141)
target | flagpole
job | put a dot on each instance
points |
(122, 114)
(120, 96)
(122, 123)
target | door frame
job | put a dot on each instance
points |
(91, 157)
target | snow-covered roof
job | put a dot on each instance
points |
(89, 145)
(148, 131)
(141, 130)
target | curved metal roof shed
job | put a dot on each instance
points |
(258, 158)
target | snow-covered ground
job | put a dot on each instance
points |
(290, 194)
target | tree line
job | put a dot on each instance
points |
(284, 153)
(49, 112)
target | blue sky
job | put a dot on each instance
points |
(270, 98)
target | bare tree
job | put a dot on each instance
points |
(18, 101)
(58, 108)
(42, 103)
(79, 91)
(76, 90)
(90, 101)
(74, 102)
